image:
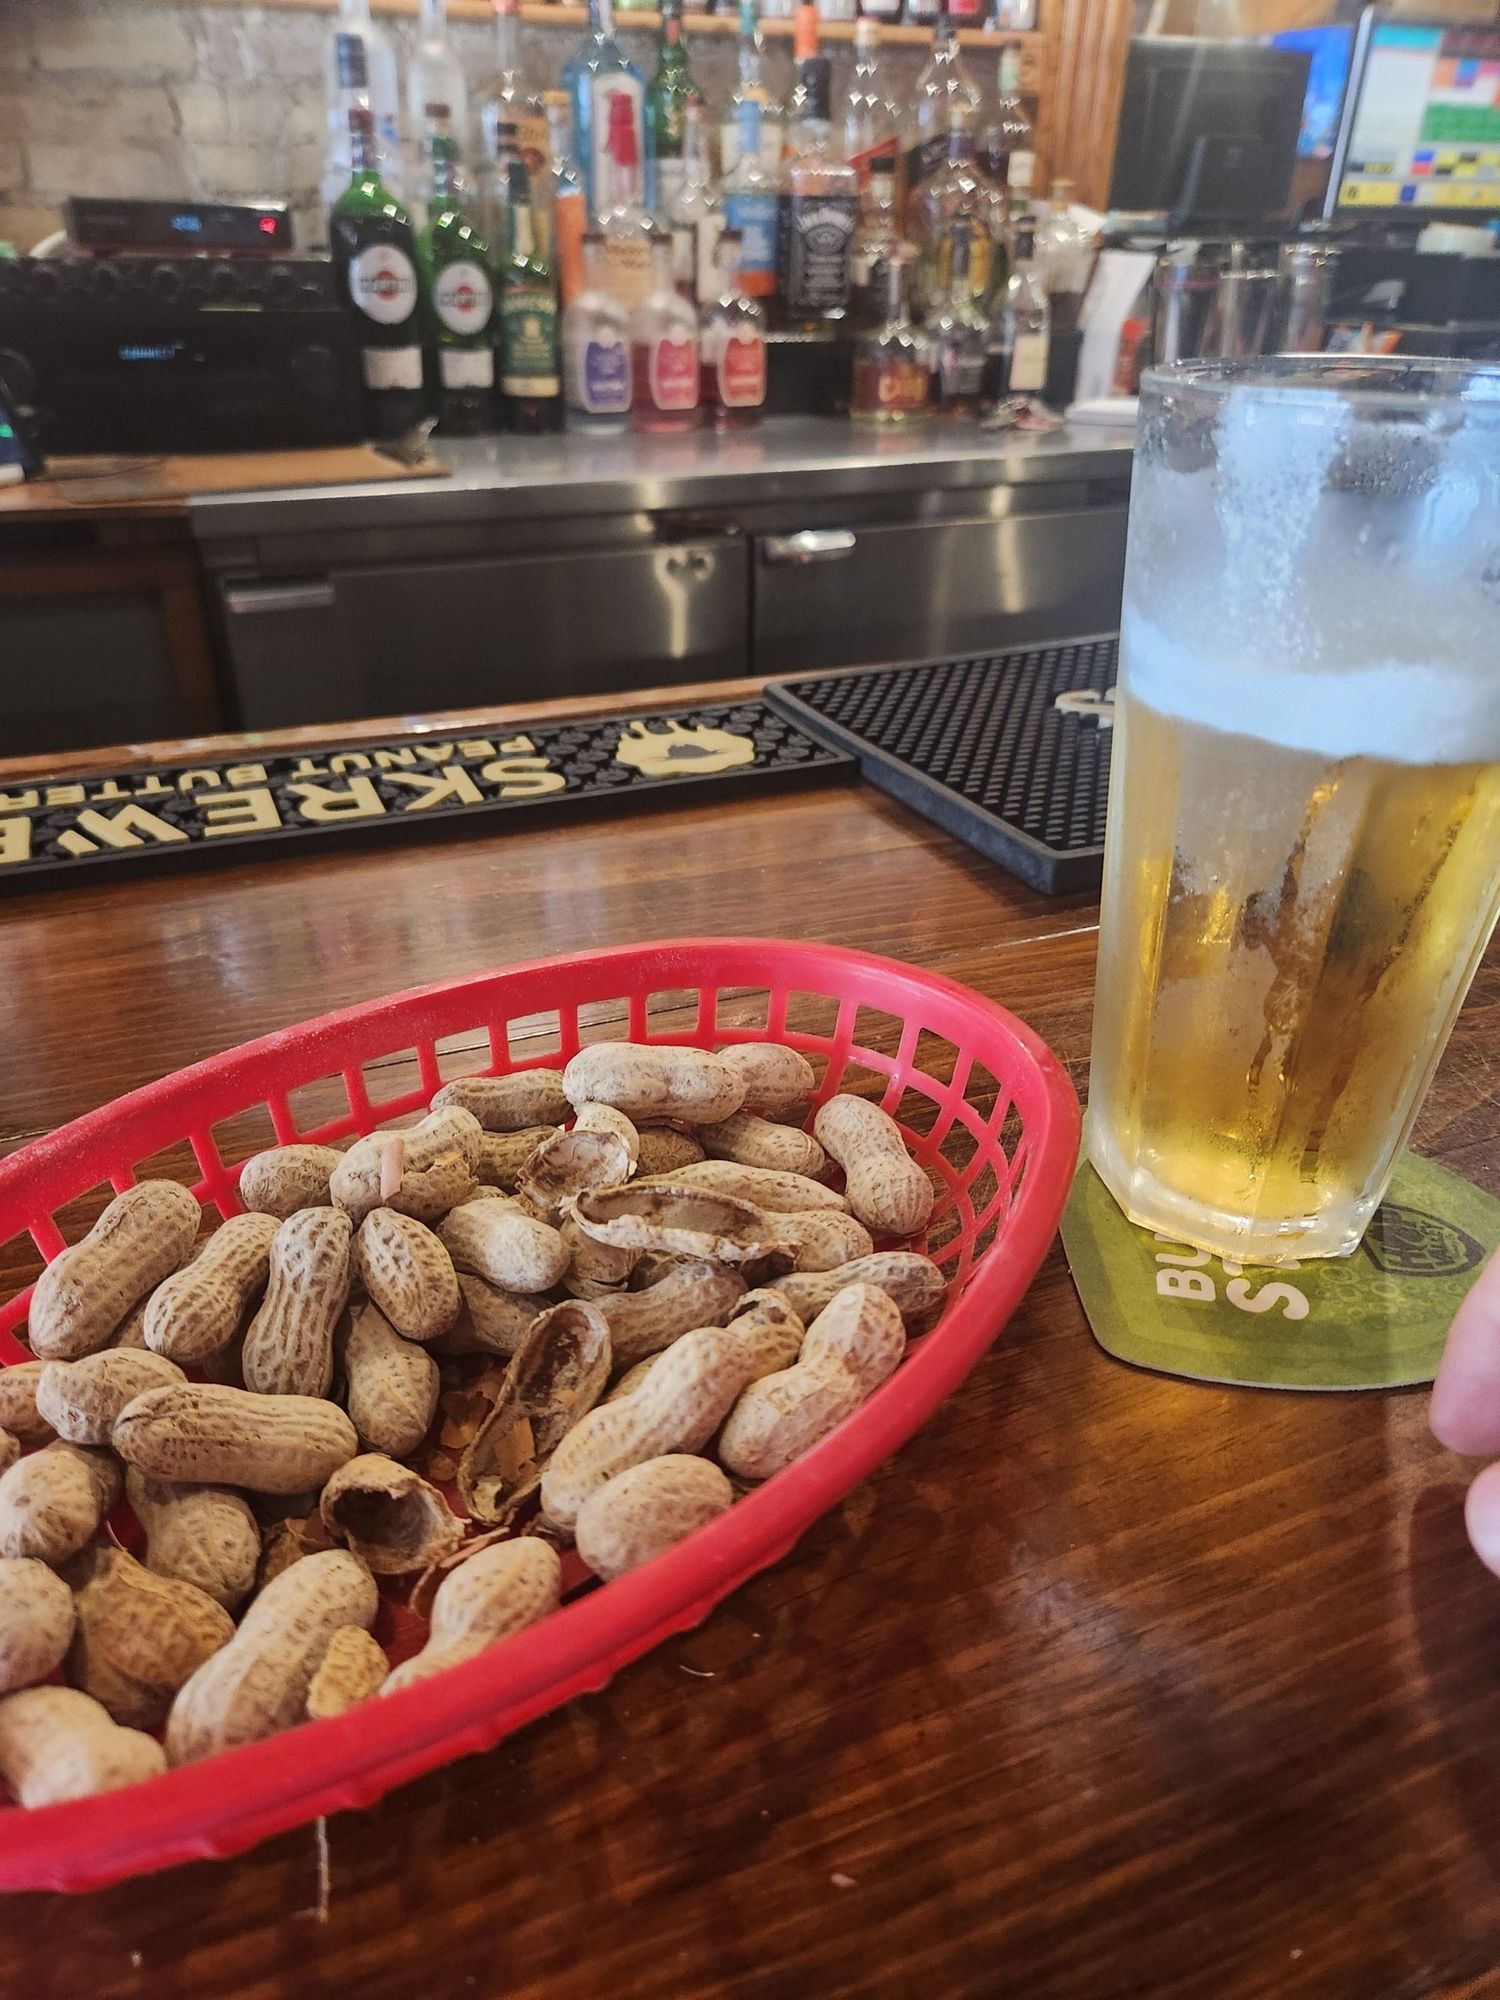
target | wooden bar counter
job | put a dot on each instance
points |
(1107, 1685)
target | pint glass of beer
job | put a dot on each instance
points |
(1302, 867)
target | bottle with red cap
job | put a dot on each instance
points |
(629, 228)
(663, 352)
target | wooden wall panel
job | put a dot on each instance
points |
(1090, 38)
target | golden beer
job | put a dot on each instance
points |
(1302, 872)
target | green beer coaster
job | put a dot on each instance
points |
(1376, 1320)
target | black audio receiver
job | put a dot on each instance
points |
(232, 228)
(179, 354)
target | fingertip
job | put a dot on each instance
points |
(1482, 1517)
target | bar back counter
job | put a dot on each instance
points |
(567, 565)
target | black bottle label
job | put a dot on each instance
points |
(814, 241)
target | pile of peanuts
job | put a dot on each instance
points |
(669, 1304)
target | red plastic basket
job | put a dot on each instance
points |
(1005, 1166)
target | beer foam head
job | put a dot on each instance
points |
(1314, 579)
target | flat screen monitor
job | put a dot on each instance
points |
(1328, 52)
(1421, 130)
(1208, 131)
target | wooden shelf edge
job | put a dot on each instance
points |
(549, 14)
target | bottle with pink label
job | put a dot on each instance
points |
(733, 341)
(663, 352)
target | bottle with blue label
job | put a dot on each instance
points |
(750, 206)
(596, 348)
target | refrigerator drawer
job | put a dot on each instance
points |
(834, 597)
(390, 640)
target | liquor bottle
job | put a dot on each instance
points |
(668, 95)
(374, 256)
(459, 304)
(924, 13)
(870, 118)
(596, 349)
(943, 94)
(695, 215)
(837, 10)
(818, 205)
(804, 49)
(597, 77)
(875, 237)
(887, 12)
(1016, 363)
(1063, 255)
(528, 321)
(504, 149)
(510, 99)
(663, 352)
(751, 86)
(562, 216)
(437, 92)
(957, 336)
(360, 67)
(1006, 149)
(891, 376)
(732, 337)
(630, 229)
(958, 192)
(751, 207)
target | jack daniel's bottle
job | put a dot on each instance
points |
(375, 256)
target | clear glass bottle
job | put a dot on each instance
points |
(751, 207)
(664, 375)
(375, 262)
(529, 379)
(597, 76)
(510, 98)
(360, 67)
(958, 193)
(818, 207)
(1064, 256)
(891, 374)
(958, 335)
(732, 337)
(695, 214)
(630, 229)
(752, 85)
(944, 96)
(1006, 148)
(668, 96)
(596, 349)
(870, 116)
(437, 93)
(458, 300)
(876, 235)
(562, 215)
(1021, 332)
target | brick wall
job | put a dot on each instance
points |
(134, 98)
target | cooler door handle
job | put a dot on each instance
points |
(810, 545)
(316, 594)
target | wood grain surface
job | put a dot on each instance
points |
(1107, 1685)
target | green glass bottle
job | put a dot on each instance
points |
(530, 380)
(670, 92)
(458, 299)
(374, 255)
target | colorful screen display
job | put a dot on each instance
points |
(1329, 49)
(1425, 132)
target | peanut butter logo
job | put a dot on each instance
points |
(674, 749)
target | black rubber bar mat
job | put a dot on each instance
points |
(74, 828)
(1009, 751)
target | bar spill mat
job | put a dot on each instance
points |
(68, 829)
(1009, 752)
